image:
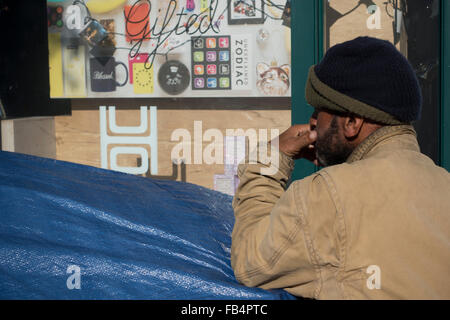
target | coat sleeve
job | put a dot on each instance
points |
(282, 238)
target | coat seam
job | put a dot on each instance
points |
(275, 257)
(342, 228)
(313, 255)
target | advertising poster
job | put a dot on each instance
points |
(169, 48)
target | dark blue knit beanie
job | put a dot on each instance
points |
(372, 72)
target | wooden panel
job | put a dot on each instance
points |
(7, 135)
(34, 136)
(78, 136)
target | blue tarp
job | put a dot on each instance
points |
(130, 237)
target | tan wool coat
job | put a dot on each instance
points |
(375, 227)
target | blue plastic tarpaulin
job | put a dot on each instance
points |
(70, 231)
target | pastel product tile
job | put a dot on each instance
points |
(224, 56)
(211, 43)
(211, 69)
(224, 82)
(199, 56)
(224, 42)
(211, 56)
(199, 83)
(199, 69)
(212, 83)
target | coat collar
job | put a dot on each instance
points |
(378, 136)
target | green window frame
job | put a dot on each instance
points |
(307, 49)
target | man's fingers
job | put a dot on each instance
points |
(296, 139)
(299, 129)
(305, 139)
(299, 144)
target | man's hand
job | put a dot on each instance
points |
(298, 142)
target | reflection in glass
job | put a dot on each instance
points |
(414, 28)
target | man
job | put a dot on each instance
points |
(374, 222)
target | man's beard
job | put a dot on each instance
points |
(329, 150)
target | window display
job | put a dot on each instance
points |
(169, 48)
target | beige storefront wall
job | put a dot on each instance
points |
(77, 137)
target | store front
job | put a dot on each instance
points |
(194, 121)
(123, 124)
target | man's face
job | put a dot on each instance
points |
(331, 146)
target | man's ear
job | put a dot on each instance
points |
(352, 126)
